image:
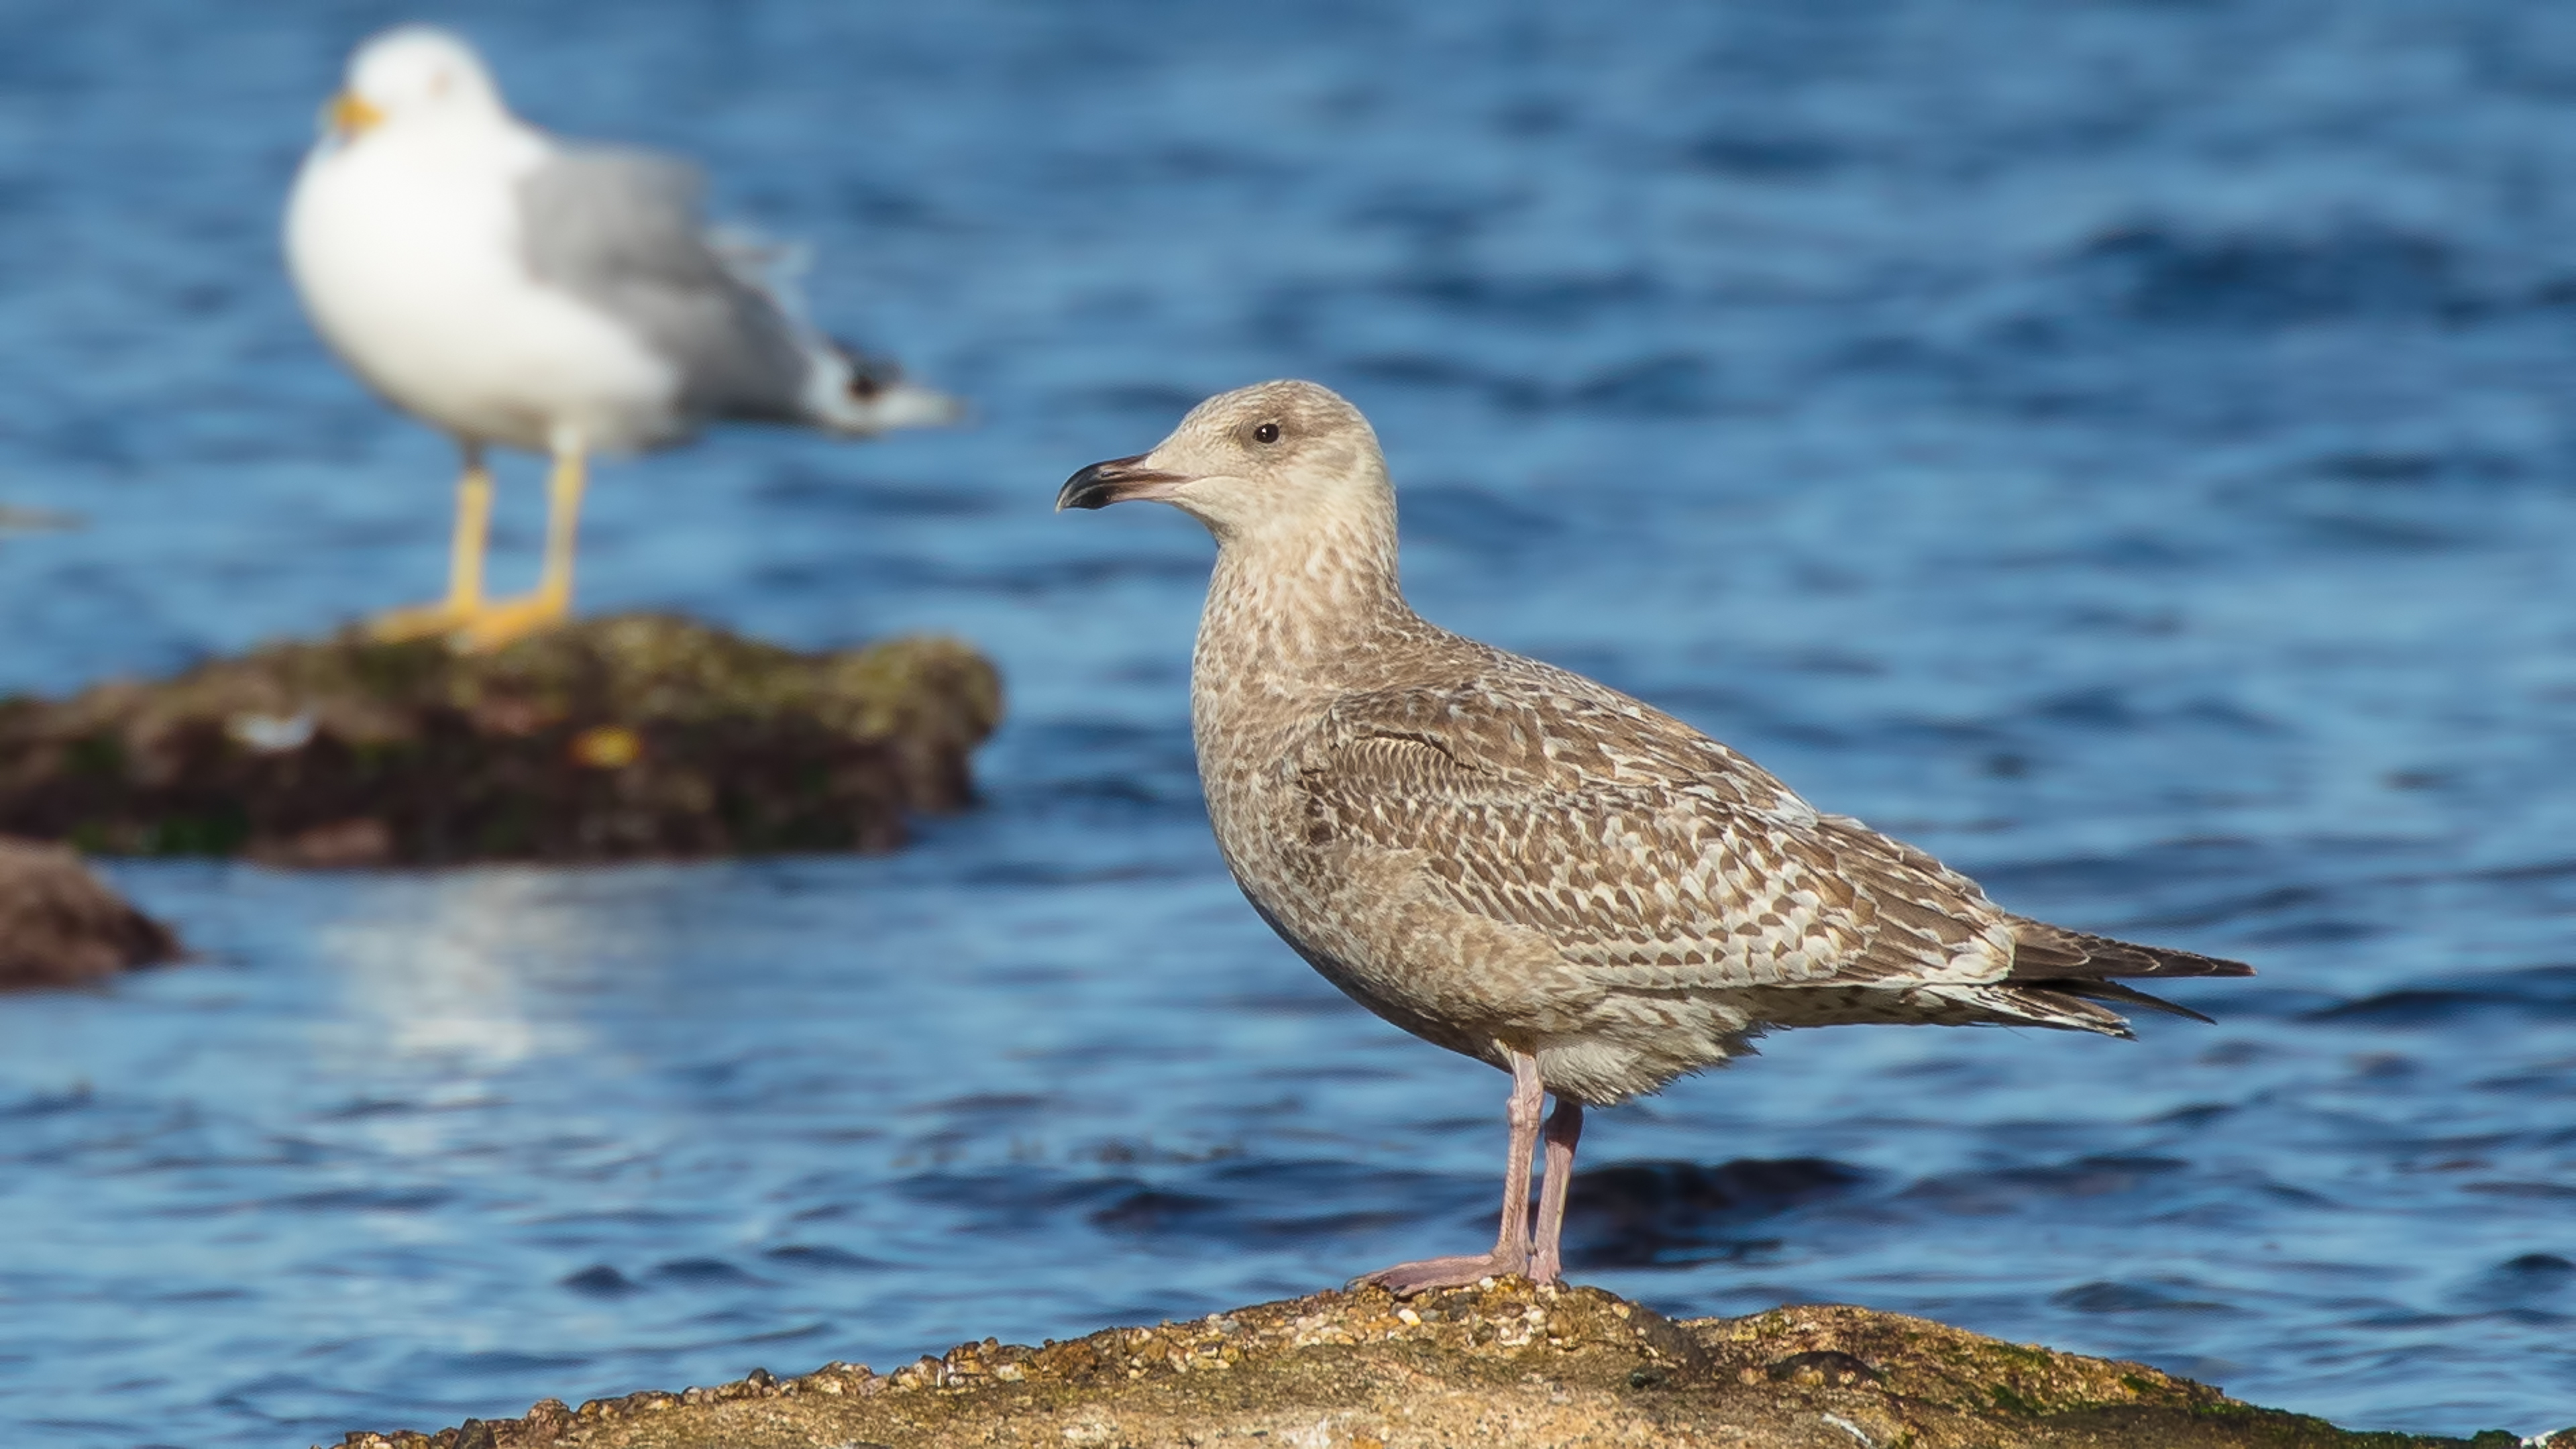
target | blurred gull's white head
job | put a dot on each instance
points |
(411, 74)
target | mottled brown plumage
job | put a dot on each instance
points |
(1517, 863)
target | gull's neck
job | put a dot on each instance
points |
(1296, 615)
(470, 137)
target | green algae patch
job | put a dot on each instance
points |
(1501, 1364)
(630, 737)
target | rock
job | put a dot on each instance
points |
(1505, 1364)
(626, 737)
(62, 926)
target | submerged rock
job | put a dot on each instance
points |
(62, 926)
(1505, 1364)
(626, 737)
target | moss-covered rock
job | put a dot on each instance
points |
(633, 736)
(1501, 1365)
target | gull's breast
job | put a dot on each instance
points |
(408, 259)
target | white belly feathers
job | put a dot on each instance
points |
(407, 252)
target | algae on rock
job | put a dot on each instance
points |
(633, 736)
(1501, 1364)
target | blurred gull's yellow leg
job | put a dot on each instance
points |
(497, 625)
(464, 564)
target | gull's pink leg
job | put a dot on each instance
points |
(1564, 1129)
(1511, 1246)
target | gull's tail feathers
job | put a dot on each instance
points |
(2054, 962)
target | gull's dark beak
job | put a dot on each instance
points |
(1120, 480)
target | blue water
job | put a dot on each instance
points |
(2123, 447)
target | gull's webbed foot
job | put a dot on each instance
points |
(421, 621)
(497, 626)
(1406, 1279)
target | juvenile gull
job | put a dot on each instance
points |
(1522, 865)
(510, 289)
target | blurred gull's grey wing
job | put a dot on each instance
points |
(623, 231)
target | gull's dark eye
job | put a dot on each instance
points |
(1266, 433)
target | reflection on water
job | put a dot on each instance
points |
(2121, 447)
(458, 980)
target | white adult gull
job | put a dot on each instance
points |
(1522, 865)
(511, 289)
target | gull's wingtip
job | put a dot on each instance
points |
(888, 407)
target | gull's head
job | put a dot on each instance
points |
(1278, 455)
(412, 73)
